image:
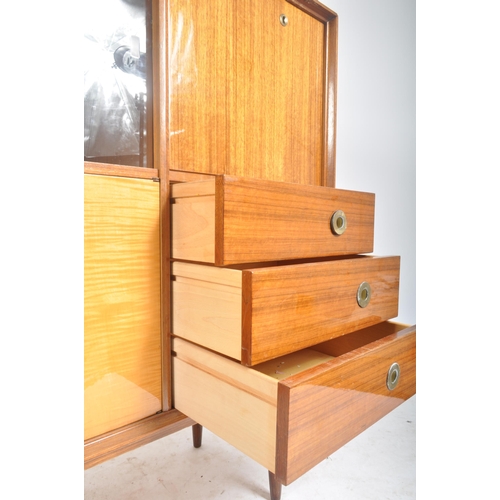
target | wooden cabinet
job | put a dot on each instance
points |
(232, 251)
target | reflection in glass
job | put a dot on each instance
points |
(116, 64)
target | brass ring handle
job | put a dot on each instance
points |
(338, 222)
(364, 294)
(393, 376)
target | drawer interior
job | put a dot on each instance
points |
(298, 362)
(291, 412)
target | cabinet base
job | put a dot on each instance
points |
(114, 443)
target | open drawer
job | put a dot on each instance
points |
(291, 413)
(260, 313)
(231, 220)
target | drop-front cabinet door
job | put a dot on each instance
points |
(122, 302)
(247, 90)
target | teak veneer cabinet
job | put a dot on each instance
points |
(225, 281)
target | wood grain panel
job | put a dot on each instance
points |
(257, 383)
(122, 302)
(223, 406)
(261, 313)
(193, 220)
(327, 402)
(208, 314)
(247, 95)
(287, 308)
(119, 170)
(321, 410)
(232, 220)
(114, 443)
(265, 221)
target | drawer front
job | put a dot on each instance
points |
(230, 220)
(290, 424)
(287, 308)
(323, 409)
(258, 314)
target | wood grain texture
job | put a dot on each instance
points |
(239, 220)
(315, 9)
(158, 114)
(293, 307)
(288, 426)
(122, 302)
(224, 397)
(265, 221)
(254, 382)
(180, 176)
(260, 313)
(247, 95)
(274, 487)
(119, 170)
(322, 409)
(197, 431)
(129, 437)
(193, 220)
(207, 314)
(206, 306)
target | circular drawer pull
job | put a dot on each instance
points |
(338, 222)
(393, 376)
(364, 294)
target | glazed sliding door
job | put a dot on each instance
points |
(123, 372)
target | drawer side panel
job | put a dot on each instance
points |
(193, 228)
(208, 314)
(240, 418)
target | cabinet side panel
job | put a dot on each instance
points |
(122, 344)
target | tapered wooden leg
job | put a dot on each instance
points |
(197, 434)
(274, 487)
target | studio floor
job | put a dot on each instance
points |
(379, 464)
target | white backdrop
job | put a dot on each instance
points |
(376, 129)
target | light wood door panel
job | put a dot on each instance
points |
(246, 93)
(122, 302)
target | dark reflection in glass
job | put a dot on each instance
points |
(117, 82)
